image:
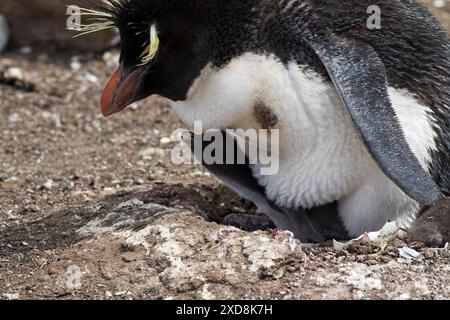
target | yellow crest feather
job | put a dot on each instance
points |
(152, 49)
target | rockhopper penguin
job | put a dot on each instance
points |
(363, 113)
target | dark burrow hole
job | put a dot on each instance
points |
(213, 202)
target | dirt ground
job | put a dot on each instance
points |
(94, 208)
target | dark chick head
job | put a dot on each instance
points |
(164, 45)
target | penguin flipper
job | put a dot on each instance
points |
(359, 76)
(239, 178)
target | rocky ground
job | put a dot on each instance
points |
(94, 208)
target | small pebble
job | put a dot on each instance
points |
(15, 73)
(439, 3)
(56, 118)
(75, 64)
(159, 173)
(429, 253)
(49, 184)
(11, 296)
(14, 118)
(26, 50)
(89, 77)
(152, 152)
(165, 141)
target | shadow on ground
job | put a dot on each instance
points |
(136, 206)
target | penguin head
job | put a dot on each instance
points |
(164, 46)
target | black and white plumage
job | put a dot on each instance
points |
(364, 114)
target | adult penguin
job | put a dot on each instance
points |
(362, 113)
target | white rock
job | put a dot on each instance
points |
(14, 118)
(75, 65)
(165, 141)
(49, 184)
(11, 216)
(111, 58)
(152, 152)
(11, 296)
(89, 77)
(14, 73)
(439, 3)
(56, 118)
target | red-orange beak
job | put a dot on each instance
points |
(120, 93)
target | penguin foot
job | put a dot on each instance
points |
(432, 227)
(248, 222)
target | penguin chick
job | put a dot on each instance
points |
(432, 226)
(363, 114)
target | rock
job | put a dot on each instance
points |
(14, 73)
(165, 141)
(75, 65)
(87, 77)
(138, 243)
(150, 152)
(187, 258)
(14, 118)
(11, 296)
(111, 58)
(158, 173)
(56, 119)
(441, 9)
(49, 184)
(139, 249)
(429, 253)
(439, 3)
(26, 50)
(139, 181)
(41, 22)
(11, 184)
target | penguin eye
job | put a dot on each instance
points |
(151, 47)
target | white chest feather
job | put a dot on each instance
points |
(322, 158)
